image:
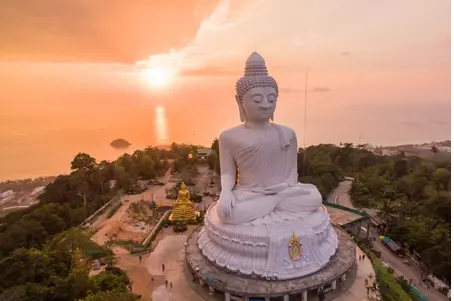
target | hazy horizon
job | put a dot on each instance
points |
(76, 75)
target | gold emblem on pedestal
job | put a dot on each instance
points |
(295, 251)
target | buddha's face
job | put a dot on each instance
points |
(183, 187)
(259, 104)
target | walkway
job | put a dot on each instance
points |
(341, 196)
(357, 291)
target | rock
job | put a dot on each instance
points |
(120, 143)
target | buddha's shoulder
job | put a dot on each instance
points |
(232, 133)
(286, 129)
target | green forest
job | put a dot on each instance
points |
(38, 261)
(44, 256)
(412, 193)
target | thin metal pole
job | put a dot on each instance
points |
(305, 123)
(305, 113)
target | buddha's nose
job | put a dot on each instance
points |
(266, 106)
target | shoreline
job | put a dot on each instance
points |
(421, 147)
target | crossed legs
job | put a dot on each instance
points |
(295, 199)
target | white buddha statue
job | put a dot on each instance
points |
(244, 229)
(265, 156)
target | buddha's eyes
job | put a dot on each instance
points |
(271, 98)
(257, 99)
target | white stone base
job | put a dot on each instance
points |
(263, 250)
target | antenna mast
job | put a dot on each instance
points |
(305, 122)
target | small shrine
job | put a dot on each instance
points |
(183, 207)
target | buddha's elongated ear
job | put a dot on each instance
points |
(240, 108)
(272, 117)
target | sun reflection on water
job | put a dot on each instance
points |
(161, 125)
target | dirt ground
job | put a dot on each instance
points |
(121, 226)
(148, 279)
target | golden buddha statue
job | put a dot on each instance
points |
(183, 208)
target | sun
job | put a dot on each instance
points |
(158, 77)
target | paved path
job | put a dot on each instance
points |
(358, 291)
(341, 196)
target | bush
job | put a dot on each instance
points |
(180, 227)
(390, 289)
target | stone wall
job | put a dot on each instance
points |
(152, 235)
(99, 211)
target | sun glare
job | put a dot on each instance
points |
(158, 77)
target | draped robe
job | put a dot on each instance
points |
(267, 188)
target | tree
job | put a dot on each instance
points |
(215, 146)
(434, 150)
(83, 161)
(400, 168)
(124, 180)
(113, 295)
(442, 179)
(213, 162)
(112, 278)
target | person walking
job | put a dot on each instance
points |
(360, 257)
(167, 283)
(163, 267)
(170, 284)
(140, 258)
(364, 257)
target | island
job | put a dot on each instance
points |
(120, 143)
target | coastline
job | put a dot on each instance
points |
(419, 149)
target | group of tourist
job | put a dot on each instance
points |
(371, 286)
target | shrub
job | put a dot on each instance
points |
(180, 227)
(390, 288)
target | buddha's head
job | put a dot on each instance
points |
(183, 186)
(256, 91)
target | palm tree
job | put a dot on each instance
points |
(434, 149)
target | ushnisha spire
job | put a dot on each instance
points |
(255, 75)
(255, 65)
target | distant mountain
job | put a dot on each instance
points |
(120, 143)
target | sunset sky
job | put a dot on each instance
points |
(360, 55)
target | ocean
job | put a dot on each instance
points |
(32, 148)
(47, 118)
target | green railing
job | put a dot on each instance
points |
(344, 208)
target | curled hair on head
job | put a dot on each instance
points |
(255, 75)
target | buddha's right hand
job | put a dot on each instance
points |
(227, 201)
